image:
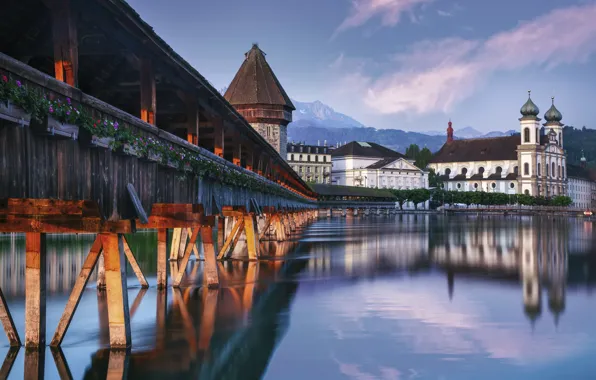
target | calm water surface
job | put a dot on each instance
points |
(404, 297)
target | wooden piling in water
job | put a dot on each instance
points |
(35, 289)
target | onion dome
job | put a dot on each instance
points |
(529, 108)
(553, 114)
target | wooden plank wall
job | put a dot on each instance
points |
(36, 166)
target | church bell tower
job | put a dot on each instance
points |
(258, 96)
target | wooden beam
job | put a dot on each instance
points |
(35, 290)
(8, 324)
(8, 362)
(64, 32)
(34, 363)
(252, 236)
(162, 270)
(134, 264)
(77, 292)
(218, 137)
(61, 364)
(117, 292)
(184, 261)
(238, 224)
(148, 93)
(175, 244)
(211, 277)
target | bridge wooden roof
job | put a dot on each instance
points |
(112, 41)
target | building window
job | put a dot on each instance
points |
(464, 171)
(526, 169)
(481, 170)
(516, 170)
(560, 174)
(553, 169)
(475, 186)
(324, 158)
(292, 157)
(538, 170)
(493, 185)
(512, 185)
(447, 171)
(527, 135)
(527, 192)
(459, 185)
(563, 171)
(316, 158)
(308, 158)
(560, 138)
(300, 157)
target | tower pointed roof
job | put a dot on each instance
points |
(255, 83)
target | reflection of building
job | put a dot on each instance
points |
(530, 163)
(534, 249)
(311, 162)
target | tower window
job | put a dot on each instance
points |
(292, 157)
(527, 135)
(560, 138)
(553, 169)
(538, 170)
(526, 169)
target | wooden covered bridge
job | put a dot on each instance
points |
(349, 200)
(104, 129)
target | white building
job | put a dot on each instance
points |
(372, 165)
(579, 186)
(533, 162)
(311, 162)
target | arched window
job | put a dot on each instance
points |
(308, 158)
(537, 136)
(481, 170)
(300, 157)
(538, 170)
(292, 157)
(464, 171)
(475, 186)
(324, 158)
(563, 171)
(316, 158)
(493, 185)
(512, 185)
(527, 135)
(447, 171)
(527, 192)
(559, 171)
(560, 138)
(516, 170)
(526, 169)
(553, 170)
(459, 185)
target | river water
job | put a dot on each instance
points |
(388, 297)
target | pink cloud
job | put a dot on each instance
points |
(389, 10)
(433, 76)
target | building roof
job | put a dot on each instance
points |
(365, 149)
(386, 161)
(255, 83)
(351, 191)
(483, 149)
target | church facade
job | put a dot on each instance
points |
(533, 162)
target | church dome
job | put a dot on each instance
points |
(529, 108)
(553, 113)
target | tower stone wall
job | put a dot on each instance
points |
(275, 134)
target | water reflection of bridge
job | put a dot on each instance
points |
(229, 332)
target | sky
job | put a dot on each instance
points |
(400, 64)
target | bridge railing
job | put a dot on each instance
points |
(117, 129)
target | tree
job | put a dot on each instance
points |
(413, 151)
(401, 196)
(417, 196)
(561, 201)
(434, 180)
(423, 158)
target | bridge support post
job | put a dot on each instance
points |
(118, 313)
(35, 290)
(221, 230)
(186, 257)
(162, 244)
(101, 273)
(211, 277)
(252, 236)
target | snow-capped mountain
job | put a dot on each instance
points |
(318, 114)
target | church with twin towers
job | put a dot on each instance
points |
(532, 162)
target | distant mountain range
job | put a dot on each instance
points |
(316, 122)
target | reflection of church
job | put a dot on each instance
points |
(535, 251)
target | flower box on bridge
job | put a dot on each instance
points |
(90, 140)
(127, 150)
(14, 114)
(52, 127)
(150, 156)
